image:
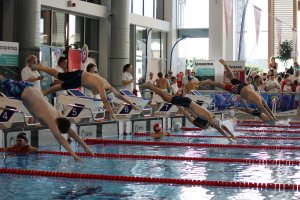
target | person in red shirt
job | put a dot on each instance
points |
(22, 145)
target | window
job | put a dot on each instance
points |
(148, 8)
(76, 31)
(1, 13)
(45, 28)
(156, 44)
(92, 33)
(193, 13)
(59, 29)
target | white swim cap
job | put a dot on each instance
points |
(177, 126)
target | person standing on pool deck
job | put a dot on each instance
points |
(78, 78)
(43, 111)
(191, 106)
(242, 89)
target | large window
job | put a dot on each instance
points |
(61, 30)
(193, 13)
(76, 30)
(148, 8)
(252, 43)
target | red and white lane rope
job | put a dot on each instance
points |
(267, 131)
(279, 186)
(211, 136)
(240, 146)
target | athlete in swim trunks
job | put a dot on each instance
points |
(202, 123)
(242, 89)
(95, 83)
(254, 112)
(35, 102)
(191, 106)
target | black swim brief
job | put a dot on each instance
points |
(201, 123)
(256, 113)
(70, 80)
(237, 86)
(181, 101)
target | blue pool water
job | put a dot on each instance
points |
(33, 187)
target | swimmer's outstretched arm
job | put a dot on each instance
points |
(63, 141)
(214, 125)
(228, 131)
(119, 96)
(76, 137)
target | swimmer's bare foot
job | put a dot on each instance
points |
(222, 61)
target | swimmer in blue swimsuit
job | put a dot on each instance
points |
(244, 90)
(191, 107)
(93, 82)
(254, 112)
(43, 111)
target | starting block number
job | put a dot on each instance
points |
(166, 107)
(126, 109)
(75, 111)
(7, 114)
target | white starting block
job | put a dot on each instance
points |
(12, 112)
(79, 107)
(164, 108)
(196, 96)
(126, 109)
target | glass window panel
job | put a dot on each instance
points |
(76, 31)
(1, 11)
(92, 33)
(193, 13)
(155, 44)
(137, 7)
(194, 48)
(45, 27)
(148, 8)
(141, 35)
(159, 9)
(59, 29)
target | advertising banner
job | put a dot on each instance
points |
(9, 59)
(74, 60)
(205, 69)
(238, 69)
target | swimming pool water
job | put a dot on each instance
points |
(16, 187)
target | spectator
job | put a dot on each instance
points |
(91, 68)
(174, 86)
(272, 85)
(29, 74)
(162, 82)
(290, 70)
(258, 84)
(151, 78)
(127, 78)
(249, 82)
(296, 76)
(273, 66)
(288, 86)
(61, 67)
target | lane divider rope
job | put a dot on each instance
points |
(211, 136)
(177, 158)
(266, 131)
(267, 126)
(279, 186)
(241, 146)
(260, 122)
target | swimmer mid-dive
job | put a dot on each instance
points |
(43, 111)
(244, 90)
(192, 106)
(254, 112)
(78, 78)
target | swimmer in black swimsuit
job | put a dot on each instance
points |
(190, 106)
(93, 82)
(203, 124)
(242, 89)
(35, 102)
(254, 112)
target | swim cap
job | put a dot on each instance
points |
(157, 127)
(177, 126)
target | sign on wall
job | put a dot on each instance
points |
(205, 69)
(9, 59)
(238, 70)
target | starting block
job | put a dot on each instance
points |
(80, 107)
(12, 113)
(200, 99)
(125, 109)
(164, 108)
